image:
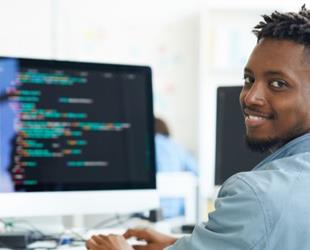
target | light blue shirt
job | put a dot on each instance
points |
(171, 157)
(266, 208)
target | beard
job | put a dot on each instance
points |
(263, 145)
(272, 144)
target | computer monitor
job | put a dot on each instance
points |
(232, 153)
(76, 138)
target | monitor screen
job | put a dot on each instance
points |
(232, 153)
(73, 126)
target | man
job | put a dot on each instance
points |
(269, 207)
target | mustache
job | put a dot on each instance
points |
(252, 109)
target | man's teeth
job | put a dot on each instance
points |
(252, 117)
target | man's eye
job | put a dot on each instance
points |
(277, 84)
(248, 80)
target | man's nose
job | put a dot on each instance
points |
(255, 96)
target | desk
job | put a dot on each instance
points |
(164, 227)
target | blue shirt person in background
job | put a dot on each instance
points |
(268, 207)
(170, 156)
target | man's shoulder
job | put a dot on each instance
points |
(275, 181)
(277, 172)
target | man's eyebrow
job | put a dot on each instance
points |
(267, 73)
(279, 73)
(247, 70)
(274, 72)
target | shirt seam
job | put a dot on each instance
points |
(297, 178)
(266, 218)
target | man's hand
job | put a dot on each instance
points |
(154, 240)
(109, 242)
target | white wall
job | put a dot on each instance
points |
(163, 34)
(26, 28)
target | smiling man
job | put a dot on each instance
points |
(275, 98)
(268, 207)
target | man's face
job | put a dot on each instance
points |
(275, 98)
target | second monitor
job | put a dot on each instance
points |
(232, 153)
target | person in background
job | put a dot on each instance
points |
(268, 207)
(170, 156)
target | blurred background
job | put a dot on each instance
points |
(192, 46)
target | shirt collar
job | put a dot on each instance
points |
(298, 145)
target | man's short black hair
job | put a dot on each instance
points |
(290, 26)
